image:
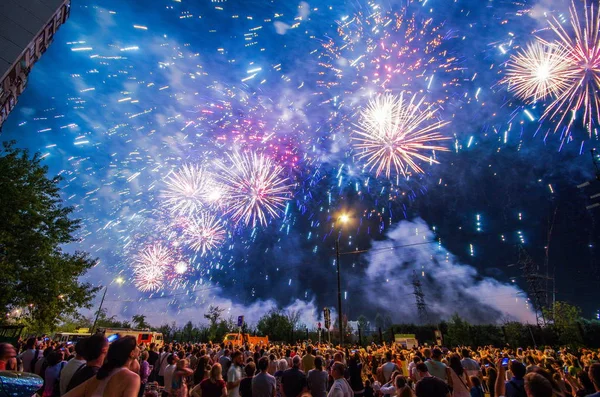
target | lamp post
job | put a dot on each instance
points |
(339, 291)
(343, 219)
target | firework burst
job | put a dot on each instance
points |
(394, 132)
(181, 268)
(189, 190)
(254, 187)
(150, 267)
(377, 49)
(204, 233)
(541, 70)
(583, 48)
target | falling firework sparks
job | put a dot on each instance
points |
(394, 131)
(381, 49)
(189, 190)
(541, 70)
(204, 233)
(583, 49)
(150, 267)
(255, 188)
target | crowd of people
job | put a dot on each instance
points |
(95, 368)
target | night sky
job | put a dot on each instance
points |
(130, 91)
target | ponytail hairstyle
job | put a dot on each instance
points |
(117, 356)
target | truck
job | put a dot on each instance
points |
(143, 336)
(240, 339)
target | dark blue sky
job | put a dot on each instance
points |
(130, 91)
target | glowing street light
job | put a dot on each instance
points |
(343, 219)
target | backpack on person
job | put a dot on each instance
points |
(519, 391)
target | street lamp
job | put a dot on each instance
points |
(343, 219)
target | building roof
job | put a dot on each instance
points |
(20, 21)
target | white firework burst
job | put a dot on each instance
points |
(189, 190)
(150, 267)
(254, 187)
(204, 233)
(540, 70)
(394, 132)
(181, 267)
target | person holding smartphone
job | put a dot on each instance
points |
(515, 387)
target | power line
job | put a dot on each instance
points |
(388, 248)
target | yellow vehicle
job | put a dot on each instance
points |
(239, 339)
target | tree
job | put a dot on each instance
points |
(167, 331)
(36, 273)
(293, 317)
(387, 322)
(458, 332)
(139, 321)
(223, 328)
(378, 321)
(276, 325)
(110, 322)
(74, 322)
(213, 315)
(187, 331)
(363, 323)
(564, 317)
(562, 314)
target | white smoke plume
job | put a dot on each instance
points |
(448, 286)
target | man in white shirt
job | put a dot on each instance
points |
(471, 366)
(169, 371)
(389, 367)
(29, 355)
(162, 365)
(340, 387)
(234, 374)
(75, 364)
(436, 367)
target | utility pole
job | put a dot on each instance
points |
(547, 263)
(339, 288)
(99, 309)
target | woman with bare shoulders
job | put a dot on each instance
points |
(214, 386)
(114, 379)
